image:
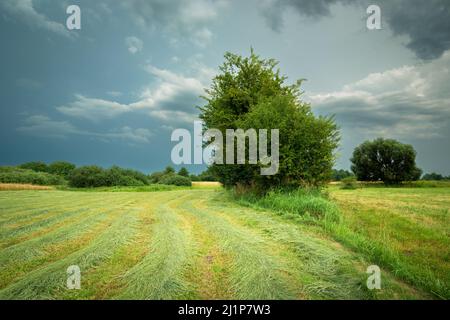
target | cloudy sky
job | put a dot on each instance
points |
(112, 92)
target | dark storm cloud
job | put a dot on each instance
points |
(426, 23)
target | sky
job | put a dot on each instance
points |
(112, 92)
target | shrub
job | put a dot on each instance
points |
(155, 177)
(338, 175)
(37, 166)
(193, 177)
(176, 180)
(94, 176)
(117, 176)
(28, 176)
(183, 172)
(207, 175)
(61, 168)
(169, 170)
(87, 177)
(348, 183)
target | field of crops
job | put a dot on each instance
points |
(181, 244)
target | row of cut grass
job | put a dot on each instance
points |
(378, 232)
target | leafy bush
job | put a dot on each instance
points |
(87, 177)
(94, 176)
(207, 175)
(37, 166)
(338, 175)
(155, 177)
(175, 179)
(28, 176)
(193, 177)
(183, 172)
(61, 168)
(348, 183)
(117, 176)
(169, 170)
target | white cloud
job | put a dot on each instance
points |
(410, 101)
(134, 44)
(39, 125)
(93, 109)
(171, 98)
(24, 11)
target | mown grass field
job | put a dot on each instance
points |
(201, 244)
(405, 229)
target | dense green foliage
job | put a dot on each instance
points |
(94, 176)
(175, 179)
(250, 93)
(385, 160)
(348, 183)
(27, 176)
(207, 175)
(183, 172)
(338, 175)
(37, 166)
(155, 177)
(170, 177)
(434, 177)
(61, 168)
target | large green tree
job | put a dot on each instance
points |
(249, 92)
(385, 160)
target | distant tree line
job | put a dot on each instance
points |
(61, 172)
(435, 177)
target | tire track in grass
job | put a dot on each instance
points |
(160, 273)
(256, 272)
(49, 282)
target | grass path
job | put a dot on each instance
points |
(184, 244)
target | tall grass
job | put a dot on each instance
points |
(307, 204)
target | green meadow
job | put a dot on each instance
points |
(205, 243)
